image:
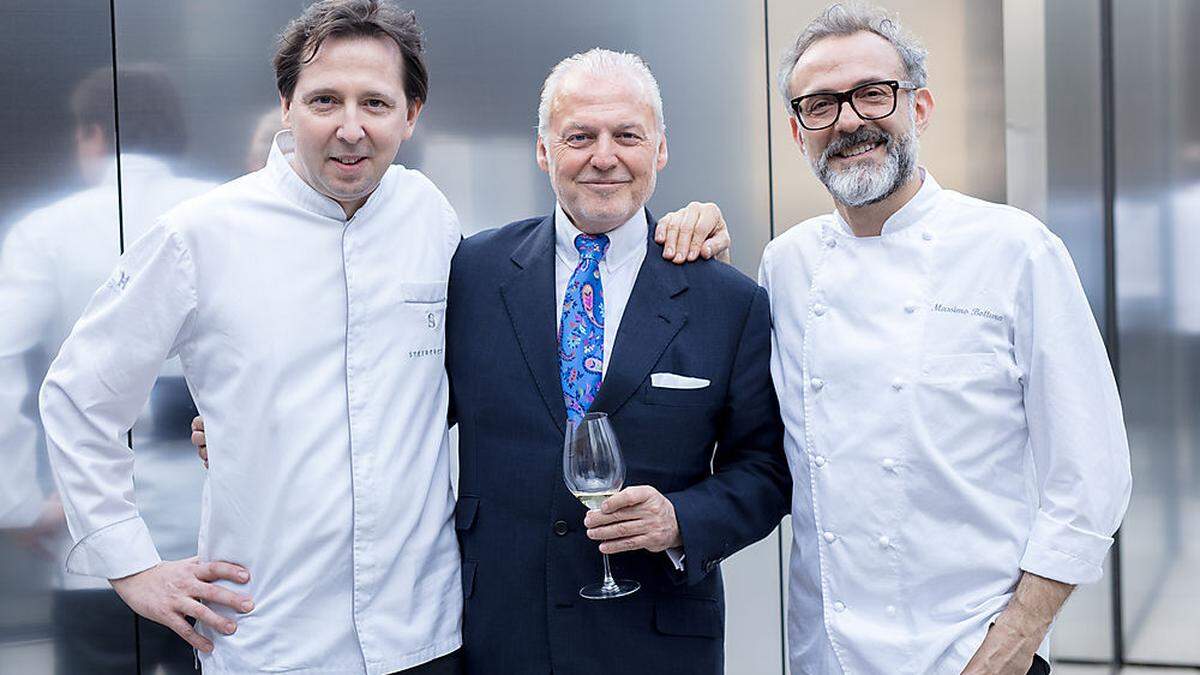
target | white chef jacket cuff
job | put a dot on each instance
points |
(115, 551)
(1059, 551)
(675, 553)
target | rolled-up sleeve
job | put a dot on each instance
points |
(96, 387)
(1076, 430)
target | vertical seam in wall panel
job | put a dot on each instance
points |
(1109, 178)
(771, 235)
(112, 33)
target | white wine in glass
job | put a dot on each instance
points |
(594, 471)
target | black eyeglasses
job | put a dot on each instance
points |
(870, 101)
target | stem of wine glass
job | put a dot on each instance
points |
(609, 585)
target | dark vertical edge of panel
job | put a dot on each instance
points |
(112, 33)
(1109, 177)
(771, 235)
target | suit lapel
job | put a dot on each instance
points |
(652, 318)
(530, 300)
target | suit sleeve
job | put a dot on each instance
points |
(750, 488)
(94, 391)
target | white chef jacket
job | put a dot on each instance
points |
(951, 420)
(50, 265)
(313, 347)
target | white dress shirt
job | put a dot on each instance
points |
(313, 347)
(951, 420)
(51, 263)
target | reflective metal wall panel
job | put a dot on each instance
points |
(1156, 55)
(58, 187)
(963, 146)
(475, 139)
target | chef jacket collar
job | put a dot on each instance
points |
(293, 187)
(917, 208)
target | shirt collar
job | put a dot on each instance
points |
(624, 241)
(293, 187)
(912, 212)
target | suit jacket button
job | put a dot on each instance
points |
(560, 527)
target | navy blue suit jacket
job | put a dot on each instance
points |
(525, 550)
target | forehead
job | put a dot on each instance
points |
(596, 99)
(348, 62)
(844, 61)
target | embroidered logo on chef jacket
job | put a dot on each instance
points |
(431, 320)
(982, 312)
(119, 280)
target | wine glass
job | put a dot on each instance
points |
(594, 471)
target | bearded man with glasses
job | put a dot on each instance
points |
(953, 427)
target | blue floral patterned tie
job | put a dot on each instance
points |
(581, 333)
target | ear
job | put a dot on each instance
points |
(542, 159)
(923, 113)
(662, 152)
(797, 137)
(414, 112)
(285, 109)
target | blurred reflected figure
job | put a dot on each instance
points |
(269, 124)
(51, 263)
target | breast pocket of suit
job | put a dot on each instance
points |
(679, 390)
(423, 316)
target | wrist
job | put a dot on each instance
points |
(1024, 623)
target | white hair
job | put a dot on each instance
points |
(629, 68)
(848, 18)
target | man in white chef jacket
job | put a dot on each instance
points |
(953, 427)
(305, 302)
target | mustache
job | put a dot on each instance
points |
(856, 137)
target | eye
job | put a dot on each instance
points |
(377, 103)
(577, 139)
(628, 138)
(323, 100)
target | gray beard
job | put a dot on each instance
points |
(868, 183)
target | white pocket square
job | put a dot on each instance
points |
(673, 381)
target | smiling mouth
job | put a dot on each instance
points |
(349, 161)
(856, 150)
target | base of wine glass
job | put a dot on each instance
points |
(618, 589)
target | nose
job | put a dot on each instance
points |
(604, 157)
(848, 120)
(350, 131)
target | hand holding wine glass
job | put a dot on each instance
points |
(594, 470)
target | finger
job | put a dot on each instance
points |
(719, 243)
(198, 423)
(660, 228)
(218, 569)
(185, 630)
(209, 618)
(628, 544)
(630, 496)
(690, 217)
(622, 530)
(670, 237)
(213, 594)
(199, 440)
(707, 222)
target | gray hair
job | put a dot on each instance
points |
(848, 18)
(605, 63)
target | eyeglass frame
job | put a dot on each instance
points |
(847, 96)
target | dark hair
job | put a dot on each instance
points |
(303, 36)
(151, 112)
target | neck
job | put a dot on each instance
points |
(588, 227)
(867, 221)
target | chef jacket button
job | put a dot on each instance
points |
(889, 464)
(560, 527)
(927, 235)
(819, 460)
(819, 309)
(897, 384)
(831, 242)
(839, 607)
(910, 307)
(885, 542)
(890, 609)
(817, 383)
(830, 537)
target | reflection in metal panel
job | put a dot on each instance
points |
(58, 185)
(1156, 53)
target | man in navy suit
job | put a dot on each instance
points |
(578, 311)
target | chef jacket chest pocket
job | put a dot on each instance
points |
(962, 368)
(423, 309)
